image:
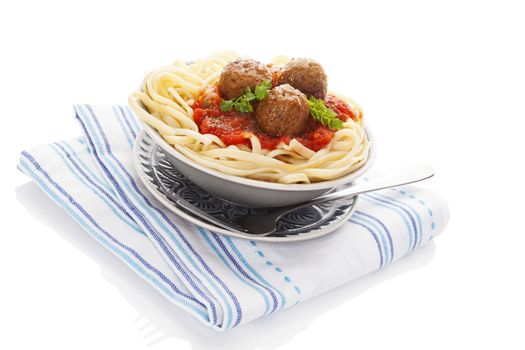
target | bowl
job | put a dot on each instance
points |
(248, 192)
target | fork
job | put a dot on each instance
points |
(266, 223)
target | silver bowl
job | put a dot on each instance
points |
(253, 193)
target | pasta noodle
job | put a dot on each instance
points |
(165, 104)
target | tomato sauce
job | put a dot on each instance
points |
(235, 128)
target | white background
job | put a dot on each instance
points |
(441, 82)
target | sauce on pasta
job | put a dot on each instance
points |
(235, 128)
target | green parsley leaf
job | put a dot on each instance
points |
(323, 114)
(243, 103)
(261, 90)
(248, 95)
(227, 105)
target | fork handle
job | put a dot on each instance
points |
(412, 174)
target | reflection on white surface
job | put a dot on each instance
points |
(160, 320)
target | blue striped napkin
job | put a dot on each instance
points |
(221, 281)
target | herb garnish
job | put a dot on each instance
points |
(323, 114)
(243, 103)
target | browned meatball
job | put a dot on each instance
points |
(240, 74)
(284, 111)
(306, 75)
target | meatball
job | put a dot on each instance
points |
(306, 75)
(284, 111)
(240, 74)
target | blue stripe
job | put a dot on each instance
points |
(141, 220)
(162, 214)
(412, 210)
(97, 190)
(401, 206)
(394, 208)
(121, 122)
(415, 212)
(387, 232)
(379, 232)
(101, 239)
(102, 183)
(242, 273)
(253, 271)
(225, 249)
(375, 238)
(134, 120)
(126, 121)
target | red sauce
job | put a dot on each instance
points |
(276, 72)
(235, 128)
(340, 107)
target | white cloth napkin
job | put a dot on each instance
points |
(221, 281)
